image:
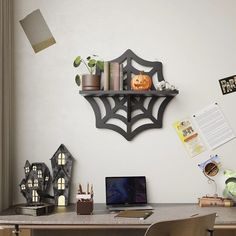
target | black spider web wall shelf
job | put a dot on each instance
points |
(131, 112)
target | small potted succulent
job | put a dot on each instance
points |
(90, 81)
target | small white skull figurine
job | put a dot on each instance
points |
(164, 85)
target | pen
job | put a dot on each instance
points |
(87, 188)
(194, 215)
(80, 189)
(91, 190)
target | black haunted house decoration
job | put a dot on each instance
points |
(61, 163)
(35, 185)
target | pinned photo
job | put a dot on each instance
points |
(37, 31)
(189, 136)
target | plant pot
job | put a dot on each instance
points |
(91, 82)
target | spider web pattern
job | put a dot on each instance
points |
(129, 59)
(131, 103)
(124, 104)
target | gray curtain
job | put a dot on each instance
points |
(6, 42)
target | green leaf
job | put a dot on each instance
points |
(230, 173)
(232, 188)
(100, 65)
(226, 192)
(77, 61)
(92, 63)
(77, 80)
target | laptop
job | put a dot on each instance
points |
(126, 193)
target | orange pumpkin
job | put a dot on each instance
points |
(141, 82)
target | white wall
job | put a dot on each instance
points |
(195, 40)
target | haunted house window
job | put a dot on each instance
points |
(34, 168)
(61, 183)
(40, 174)
(61, 159)
(36, 183)
(35, 196)
(29, 183)
(23, 187)
(26, 169)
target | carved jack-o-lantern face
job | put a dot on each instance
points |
(141, 82)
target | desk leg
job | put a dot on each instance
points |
(16, 231)
(211, 232)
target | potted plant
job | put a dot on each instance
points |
(90, 81)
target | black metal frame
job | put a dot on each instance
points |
(131, 101)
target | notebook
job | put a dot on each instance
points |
(141, 214)
(126, 193)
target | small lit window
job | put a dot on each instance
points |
(61, 159)
(61, 183)
(46, 178)
(30, 183)
(40, 174)
(23, 187)
(34, 168)
(35, 196)
(26, 169)
(36, 183)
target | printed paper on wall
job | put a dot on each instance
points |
(37, 31)
(213, 126)
(189, 137)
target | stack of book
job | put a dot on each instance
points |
(207, 201)
(113, 76)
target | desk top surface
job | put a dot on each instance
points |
(102, 217)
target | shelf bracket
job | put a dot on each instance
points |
(126, 104)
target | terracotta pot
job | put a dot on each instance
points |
(91, 82)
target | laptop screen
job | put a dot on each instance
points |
(126, 190)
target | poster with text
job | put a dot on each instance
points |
(213, 126)
(189, 137)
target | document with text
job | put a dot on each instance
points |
(213, 126)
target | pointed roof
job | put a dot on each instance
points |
(62, 148)
(27, 163)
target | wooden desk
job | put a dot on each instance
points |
(103, 220)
